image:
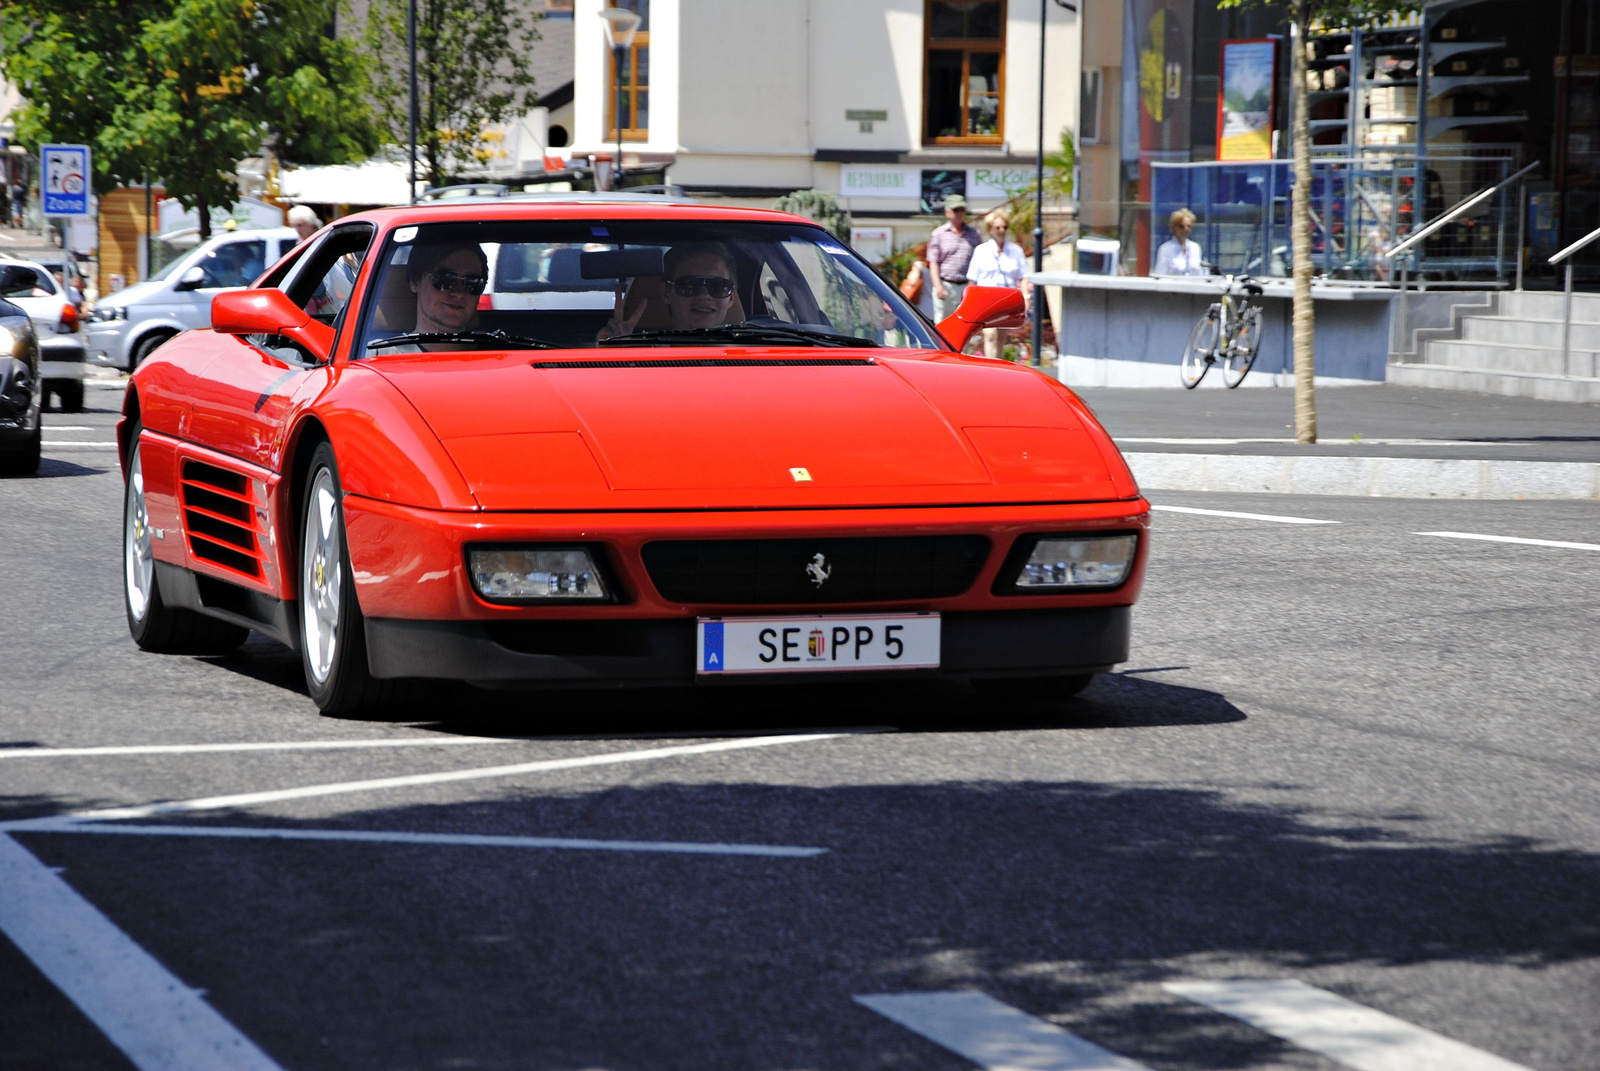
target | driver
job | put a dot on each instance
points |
(447, 280)
(698, 280)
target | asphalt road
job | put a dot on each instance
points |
(1344, 754)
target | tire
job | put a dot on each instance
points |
(154, 625)
(1242, 354)
(23, 460)
(1200, 351)
(333, 641)
(69, 392)
(1033, 689)
(145, 348)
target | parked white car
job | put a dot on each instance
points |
(62, 349)
(128, 325)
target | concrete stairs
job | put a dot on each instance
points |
(1511, 345)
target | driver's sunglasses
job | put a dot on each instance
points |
(448, 281)
(690, 285)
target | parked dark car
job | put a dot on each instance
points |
(21, 388)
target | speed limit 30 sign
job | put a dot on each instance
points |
(66, 179)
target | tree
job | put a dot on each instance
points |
(182, 90)
(820, 207)
(1303, 15)
(472, 73)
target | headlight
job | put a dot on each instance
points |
(1075, 563)
(8, 343)
(107, 313)
(543, 573)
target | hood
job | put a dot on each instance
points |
(132, 295)
(663, 428)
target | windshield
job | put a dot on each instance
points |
(574, 284)
(170, 267)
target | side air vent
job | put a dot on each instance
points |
(220, 519)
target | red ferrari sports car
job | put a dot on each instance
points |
(616, 442)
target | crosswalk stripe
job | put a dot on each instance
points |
(994, 1035)
(1342, 1030)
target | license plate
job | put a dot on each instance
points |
(799, 644)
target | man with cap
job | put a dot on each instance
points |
(304, 221)
(949, 252)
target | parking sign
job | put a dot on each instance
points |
(66, 179)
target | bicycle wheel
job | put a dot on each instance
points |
(1242, 350)
(1201, 351)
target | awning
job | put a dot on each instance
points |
(374, 182)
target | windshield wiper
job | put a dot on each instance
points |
(496, 338)
(781, 334)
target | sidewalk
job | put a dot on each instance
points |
(1382, 441)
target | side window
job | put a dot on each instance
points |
(323, 289)
(233, 264)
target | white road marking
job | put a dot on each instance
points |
(1514, 539)
(1342, 1030)
(147, 1012)
(73, 427)
(73, 442)
(277, 745)
(1245, 516)
(250, 799)
(993, 1035)
(467, 840)
(1320, 442)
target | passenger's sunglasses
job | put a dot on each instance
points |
(690, 285)
(448, 281)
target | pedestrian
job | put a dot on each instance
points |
(19, 204)
(997, 262)
(1179, 255)
(949, 252)
(916, 287)
(303, 218)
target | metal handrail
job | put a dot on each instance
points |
(1575, 246)
(1481, 195)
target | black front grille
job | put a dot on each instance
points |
(755, 572)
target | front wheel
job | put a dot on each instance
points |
(1201, 350)
(333, 642)
(1242, 352)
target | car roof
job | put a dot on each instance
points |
(615, 206)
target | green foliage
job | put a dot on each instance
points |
(821, 207)
(1340, 14)
(897, 265)
(182, 90)
(472, 73)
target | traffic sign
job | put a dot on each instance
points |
(66, 179)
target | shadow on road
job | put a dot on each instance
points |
(1066, 898)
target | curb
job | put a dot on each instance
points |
(1369, 477)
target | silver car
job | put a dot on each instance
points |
(62, 349)
(128, 325)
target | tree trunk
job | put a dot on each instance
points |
(203, 210)
(1305, 405)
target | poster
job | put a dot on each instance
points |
(939, 184)
(1245, 103)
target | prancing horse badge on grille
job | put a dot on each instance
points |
(819, 570)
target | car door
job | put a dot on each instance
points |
(248, 391)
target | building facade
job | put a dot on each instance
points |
(889, 104)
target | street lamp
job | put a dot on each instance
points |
(1038, 199)
(620, 25)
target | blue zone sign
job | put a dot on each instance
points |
(65, 171)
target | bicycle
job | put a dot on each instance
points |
(1229, 333)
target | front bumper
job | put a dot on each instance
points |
(620, 653)
(108, 343)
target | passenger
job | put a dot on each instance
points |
(447, 280)
(698, 281)
(1178, 255)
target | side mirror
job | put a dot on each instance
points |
(984, 306)
(267, 311)
(191, 279)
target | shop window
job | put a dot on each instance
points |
(964, 71)
(635, 80)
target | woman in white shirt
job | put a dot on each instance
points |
(997, 262)
(1178, 255)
